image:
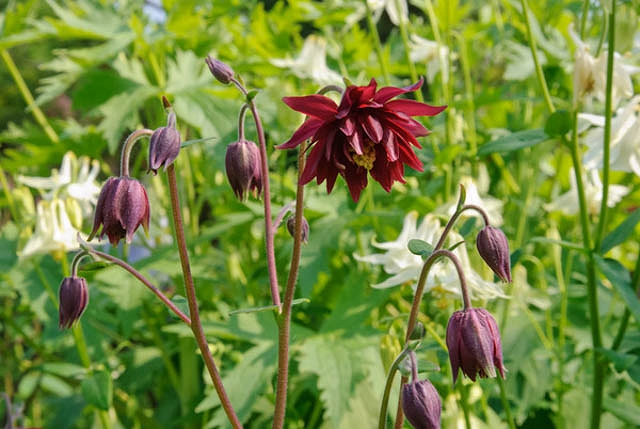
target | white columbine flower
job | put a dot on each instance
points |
(404, 266)
(311, 62)
(625, 139)
(590, 73)
(396, 9)
(70, 192)
(568, 203)
(492, 206)
(428, 51)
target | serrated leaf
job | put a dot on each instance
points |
(620, 279)
(514, 141)
(621, 232)
(97, 389)
(420, 247)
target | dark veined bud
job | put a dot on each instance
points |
(493, 247)
(291, 224)
(221, 71)
(73, 297)
(122, 207)
(242, 163)
(421, 404)
(474, 344)
(164, 145)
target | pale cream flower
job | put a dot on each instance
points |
(590, 73)
(404, 266)
(473, 188)
(54, 231)
(625, 139)
(568, 202)
(429, 52)
(311, 62)
(397, 10)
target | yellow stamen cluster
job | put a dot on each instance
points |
(368, 156)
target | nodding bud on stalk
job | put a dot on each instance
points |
(242, 163)
(221, 71)
(291, 224)
(474, 344)
(421, 404)
(73, 297)
(122, 207)
(493, 247)
(164, 145)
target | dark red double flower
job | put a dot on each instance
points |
(367, 132)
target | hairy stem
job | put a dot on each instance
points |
(127, 146)
(196, 324)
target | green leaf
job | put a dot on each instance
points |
(266, 307)
(621, 232)
(512, 142)
(420, 247)
(626, 411)
(558, 123)
(620, 279)
(97, 389)
(620, 361)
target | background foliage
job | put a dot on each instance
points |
(98, 69)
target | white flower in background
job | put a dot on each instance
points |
(396, 9)
(568, 203)
(492, 206)
(54, 231)
(404, 266)
(625, 139)
(67, 197)
(590, 73)
(311, 62)
(76, 178)
(428, 51)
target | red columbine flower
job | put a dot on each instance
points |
(74, 296)
(367, 132)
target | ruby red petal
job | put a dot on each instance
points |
(305, 131)
(413, 108)
(314, 105)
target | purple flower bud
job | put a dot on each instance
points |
(122, 207)
(242, 163)
(221, 71)
(73, 297)
(421, 404)
(493, 247)
(474, 345)
(164, 145)
(291, 223)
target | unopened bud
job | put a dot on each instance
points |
(164, 145)
(473, 340)
(73, 297)
(242, 162)
(291, 224)
(493, 247)
(221, 71)
(421, 404)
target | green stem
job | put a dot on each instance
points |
(284, 319)
(464, 404)
(377, 46)
(469, 95)
(404, 34)
(505, 403)
(8, 195)
(126, 149)
(196, 324)
(583, 19)
(534, 53)
(40, 118)
(608, 112)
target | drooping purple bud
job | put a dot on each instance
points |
(221, 71)
(242, 162)
(122, 207)
(291, 224)
(421, 404)
(73, 297)
(474, 344)
(493, 247)
(164, 145)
